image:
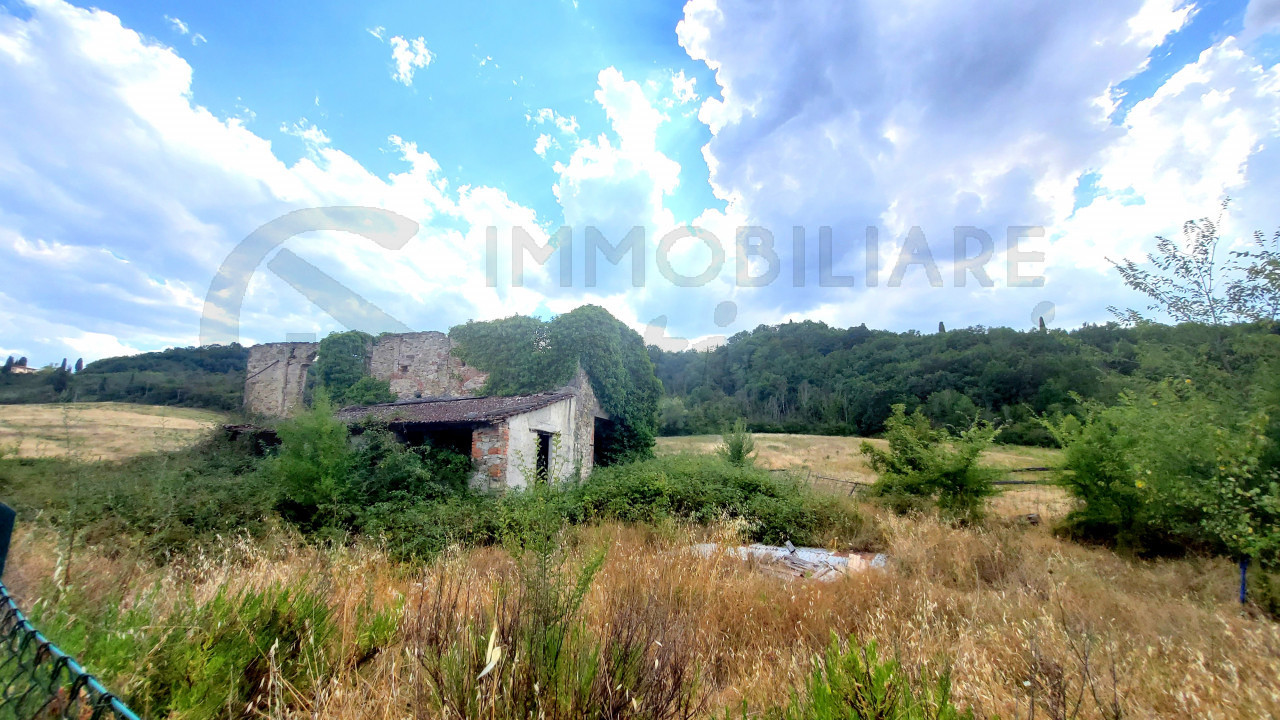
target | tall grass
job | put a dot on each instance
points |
(1024, 623)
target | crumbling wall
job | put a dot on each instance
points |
(422, 365)
(276, 377)
(586, 408)
(489, 456)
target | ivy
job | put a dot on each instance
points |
(341, 367)
(526, 355)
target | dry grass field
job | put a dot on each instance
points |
(839, 457)
(99, 431)
(1023, 618)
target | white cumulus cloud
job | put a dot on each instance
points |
(409, 56)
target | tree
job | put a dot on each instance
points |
(8, 364)
(941, 328)
(929, 464)
(340, 368)
(79, 364)
(528, 355)
(1257, 295)
(22, 361)
(1042, 325)
(1187, 281)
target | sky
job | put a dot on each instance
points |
(178, 173)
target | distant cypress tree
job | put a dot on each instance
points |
(63, 366)
(79, 364)
(941, 328)
(1042, 327)
(22, 361)
(8, 364)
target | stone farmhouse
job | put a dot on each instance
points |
(511, 440)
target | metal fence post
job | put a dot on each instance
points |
(7, 517)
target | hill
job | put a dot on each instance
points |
(201, 377)
(808, 377)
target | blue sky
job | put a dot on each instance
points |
(140, 142)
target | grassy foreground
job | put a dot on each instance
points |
(1022, 620)
(100, 431)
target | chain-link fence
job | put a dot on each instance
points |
(38, 680)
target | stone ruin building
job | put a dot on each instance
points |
(511, 440)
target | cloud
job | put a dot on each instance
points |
(178, 26)
(409, 56)
(182, 28)
(683, 88)
(379, 32)
(541, 145)
(116, 227)
(567, 125)
(937, 115)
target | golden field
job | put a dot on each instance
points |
(840, 457)
(100, 431)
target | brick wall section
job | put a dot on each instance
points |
(422, 365)
(489, 456)
(276, 376)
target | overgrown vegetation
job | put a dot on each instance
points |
(340, 370)
(527, 355)
(850, 681)
(739, 446)
(927, 466)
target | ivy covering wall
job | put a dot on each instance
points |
(526, 355)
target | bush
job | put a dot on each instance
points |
(161, 503)
(923, 464)
(1172, 470)
(854, 682)
(705, 489)
(333, 482)
(739, 446)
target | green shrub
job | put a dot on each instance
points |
(161, 503)
(854, 682)
(1171, 470)
(704, 489)
(924, 464)
(739, 446)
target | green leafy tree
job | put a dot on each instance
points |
(313, 462)
(526, 355)
(341, 368)
(368, 391)
(925, 463)
(1257, 295)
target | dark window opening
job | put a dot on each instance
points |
(602, 432)
(452, 437)
(543, 467)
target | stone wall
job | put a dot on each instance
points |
(489, 456)
(422, 365)
(276, 377)
(586, 408)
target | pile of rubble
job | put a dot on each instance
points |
(790, 562)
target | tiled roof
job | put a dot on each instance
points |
(453, 409)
